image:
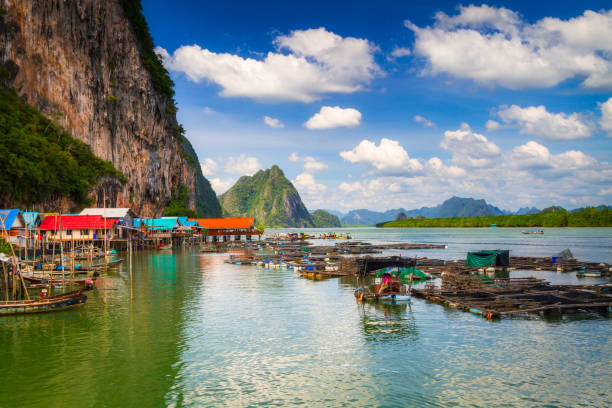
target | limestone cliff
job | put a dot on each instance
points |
(81, 63)
(268, 197)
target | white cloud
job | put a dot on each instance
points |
(243, 165)
(330, 117)
(424, 121)
(208, 111)
(220, 186)
(493, 46)
(469, 149)
(399, 52)
(492, 125)
(273, 122)
(606, 117)
(537, 121)
(307, 65)
(528, 174)
(305, 183)
(311, 165)
(535, 156)
(387, 157)
(209, 167)
(437, 166)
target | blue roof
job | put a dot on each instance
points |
(7, 218)
(31, 218)
(167, 223)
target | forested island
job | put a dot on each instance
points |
(552, 217)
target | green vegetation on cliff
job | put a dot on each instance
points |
(585, 217)
(159, 75)
(206, 202)
(269, 197)
(41, 161)
(178, 206)
(323, 219)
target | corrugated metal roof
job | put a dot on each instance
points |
(225, 223)
(8, 218)
(108, 212)
(72, 222)
(167, 223)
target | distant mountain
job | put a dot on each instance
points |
(334, 212)
(323, 219)
(367, 217)
(453, 207)
(526, 210)
(466, 207)
(269, 197)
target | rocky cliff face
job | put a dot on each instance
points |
(269, 197)
(80, 63)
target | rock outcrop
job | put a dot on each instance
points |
(269, 197)
(80, 63)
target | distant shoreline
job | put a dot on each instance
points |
(587, 217)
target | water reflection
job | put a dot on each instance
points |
(387, 321)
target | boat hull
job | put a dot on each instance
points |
(50, 304)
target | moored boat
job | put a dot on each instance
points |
(531, 232)
(45, 304)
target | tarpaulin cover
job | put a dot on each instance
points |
(404, 273)
(489, 258)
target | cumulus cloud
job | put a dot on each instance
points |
(606, 117)
(209, 167)
(311, 165)
(537, 121)
(440, 169)
(399, 52)
(495, 47)
(529, 174)
(243, 165)
(330, 117)
(469, 149)
(424, 121)
(537, 157)
(220, 186)
(305, 183)
(387, 157)
(307, 64)
(273, 122)
(492, 125)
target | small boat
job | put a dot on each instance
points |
(396, 297)
(591, 274)
(45, 304)
(169, 246)
(55, 281)
(531, 232)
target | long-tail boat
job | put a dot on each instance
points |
(45, 304)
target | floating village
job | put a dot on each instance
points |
(53, 260)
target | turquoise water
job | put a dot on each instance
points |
(189, 330)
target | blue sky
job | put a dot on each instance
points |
(389, 104)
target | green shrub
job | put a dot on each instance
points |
(41, 160)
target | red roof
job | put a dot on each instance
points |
(225, 223)
(72, 222)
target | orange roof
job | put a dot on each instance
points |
(225, 223)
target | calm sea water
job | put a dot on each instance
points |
(188, 330)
